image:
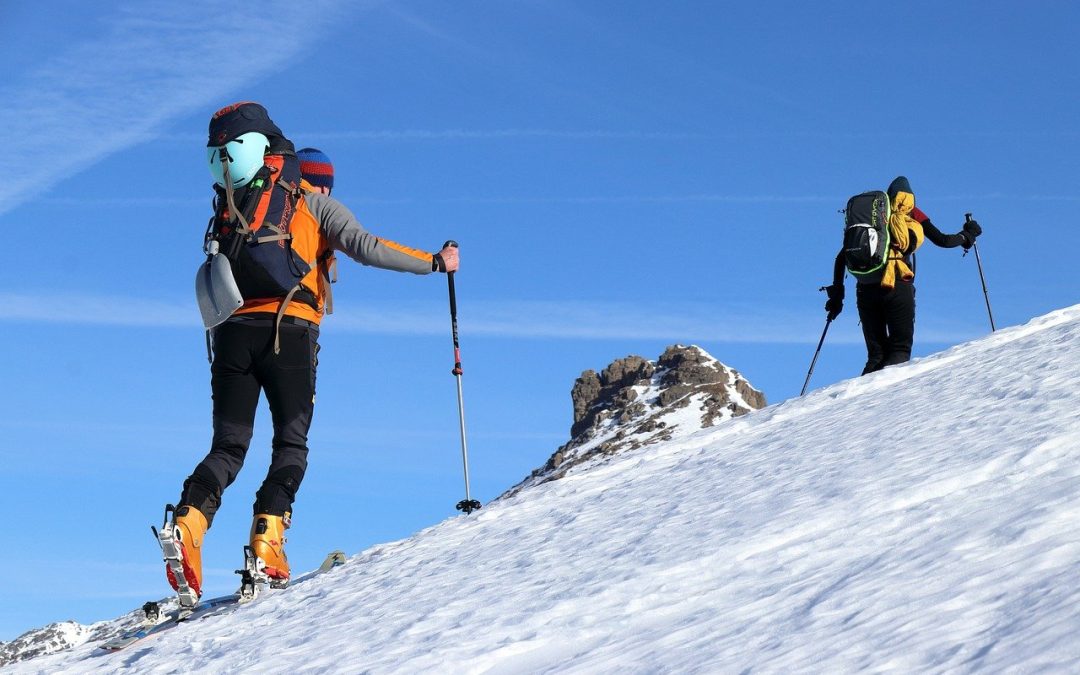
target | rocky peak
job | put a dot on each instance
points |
(612, 390)
(635, 402)
(55, 637)
(63, 635)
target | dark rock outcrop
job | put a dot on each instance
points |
(633, 402)
(613, 386)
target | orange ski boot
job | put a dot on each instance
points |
(189, 530)
(268, 543)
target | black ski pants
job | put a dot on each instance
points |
(245, 364)
(888, 323)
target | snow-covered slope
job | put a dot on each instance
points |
(922, 519)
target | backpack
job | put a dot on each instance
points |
(866, 232)
(249, 246)
(258, 244)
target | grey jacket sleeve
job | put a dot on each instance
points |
(345, 233)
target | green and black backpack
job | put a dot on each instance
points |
(866, 232)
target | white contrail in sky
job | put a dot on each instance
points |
(519, 319)
(149, 63)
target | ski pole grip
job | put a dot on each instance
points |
(450, 243)
(967, 219)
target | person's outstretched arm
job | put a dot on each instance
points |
(345, 233)
(965, 237)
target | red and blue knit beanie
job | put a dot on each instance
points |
(315, 167)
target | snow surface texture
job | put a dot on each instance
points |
(922, 519)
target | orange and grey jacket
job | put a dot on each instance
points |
(321, 226)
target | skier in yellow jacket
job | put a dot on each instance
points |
(886, 299)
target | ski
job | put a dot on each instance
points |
(157, 622)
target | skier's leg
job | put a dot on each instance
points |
(900, 312)
(872, 317)
(236, 397)
(289, 381)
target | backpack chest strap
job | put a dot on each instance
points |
(274, 237)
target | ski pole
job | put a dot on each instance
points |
(816, 352)
(978, 261)
(468, 505)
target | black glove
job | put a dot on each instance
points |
(970, 232)
(835, 303)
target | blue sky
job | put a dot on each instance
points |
(621, 176)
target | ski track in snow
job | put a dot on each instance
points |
(921, 519)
